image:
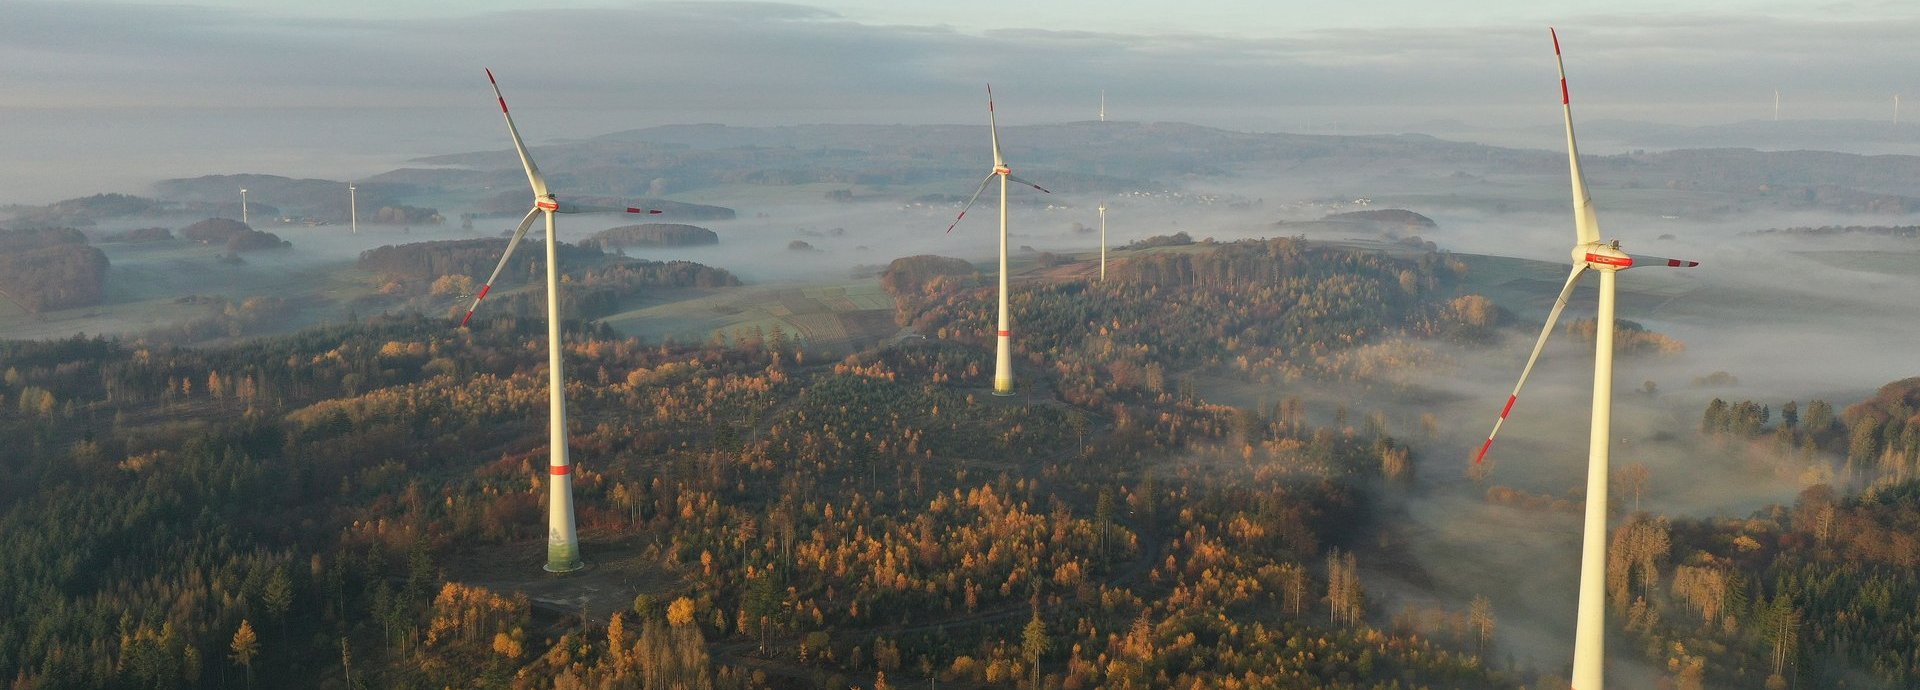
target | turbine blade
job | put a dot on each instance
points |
(1016, 178)
(534, 179)
(1586, 224)
(570, 207)
(1639, 261)
(497, 268)
(970, 200)
(1539, 344)
(993, 129)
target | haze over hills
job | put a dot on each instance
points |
(1396, 320)
(902, 162)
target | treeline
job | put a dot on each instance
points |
(1630, 338)
(1877, 440)
(51, 268)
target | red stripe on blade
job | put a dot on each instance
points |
(1564, 100)
(468, 317)
(1483, 450)
(1556, 39)
(1509, 407)
(483, 292)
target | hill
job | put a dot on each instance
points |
(656, 235)
(232, 234)
(42, 270)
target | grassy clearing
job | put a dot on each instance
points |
(835, 317)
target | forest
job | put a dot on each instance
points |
(655, 235)
(1814, 594)
(50, 268)
(360, 504)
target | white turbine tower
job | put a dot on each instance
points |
(243, 204)
(563, 543)
(1605, 258)
(1103, 105)
(1003, 358)
(1776, 105)
(1103, 241)
(353, 208)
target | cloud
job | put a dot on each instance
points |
(765, 61)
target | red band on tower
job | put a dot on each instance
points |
(1005, 334)
(560, 470)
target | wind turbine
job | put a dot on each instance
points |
(1776, 105)
(1003, 357)
(1103, 105)
(243, 204)
(563, 542)
(353, 208)
(1605, 258)
(1103, 241)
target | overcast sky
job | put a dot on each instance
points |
(601, 66)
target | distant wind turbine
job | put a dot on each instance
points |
(1103, 242)
(1589, 253)
(1103, 105)
(1003, 354)
(353, 208)
(243, 204)
(1896, 108)
(563, 543)
(1776, 105)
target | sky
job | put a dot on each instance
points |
(126, 89)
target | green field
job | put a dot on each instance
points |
(828, 317)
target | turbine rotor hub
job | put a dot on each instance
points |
(1002, 170)
(546, 203)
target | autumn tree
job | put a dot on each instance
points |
(244, 648)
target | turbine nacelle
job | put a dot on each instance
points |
(1608, 257)
(1602, 257)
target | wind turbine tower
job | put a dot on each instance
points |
(1590, 253)
(243, 204)
(1776, 105)
(1103, 241)
(1103, 105)
(563, 542)
(1003, 353)
(353, 208)
(1896, 108)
